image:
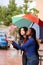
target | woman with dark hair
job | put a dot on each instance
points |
(23, 38)
(31, 47)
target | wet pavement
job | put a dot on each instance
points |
(11, 57)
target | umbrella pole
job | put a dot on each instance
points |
(32, 24)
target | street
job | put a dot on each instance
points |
(11, 57)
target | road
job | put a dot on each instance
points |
(11, 57)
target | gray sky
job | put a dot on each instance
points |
(5, 2)
(18, 2)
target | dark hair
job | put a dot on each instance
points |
(34, 37)
(25, 29)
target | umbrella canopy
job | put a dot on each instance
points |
(19, 21)
(26, 20)
(34, 19)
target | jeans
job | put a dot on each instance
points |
(34, 60)
(24, 59)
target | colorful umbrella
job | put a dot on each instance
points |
(19, 21)
(26, 20)
(34, 19)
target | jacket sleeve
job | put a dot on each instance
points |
(15, 46)
(27, 44)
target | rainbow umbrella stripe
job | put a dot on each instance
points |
(26, 20)
(21, 22)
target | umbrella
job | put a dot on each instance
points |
(26, 20)
(19, 21)
(34, 19)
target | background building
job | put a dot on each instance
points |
(39, 30)
(39, 6)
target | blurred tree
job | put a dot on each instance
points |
(3, 11)
(12, 6)
(12, 10)
(7, 12)
(0, 13)
(26, 7)
(34, 11)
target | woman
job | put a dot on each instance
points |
(22, 39)
(31, 48)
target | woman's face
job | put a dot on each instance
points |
(22, 31)
(29, 32)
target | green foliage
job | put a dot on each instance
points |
(7, 12)
(26, 1)
(12, 5)
(32, 10)
(35, 11)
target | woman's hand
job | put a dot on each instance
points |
(9, 40)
